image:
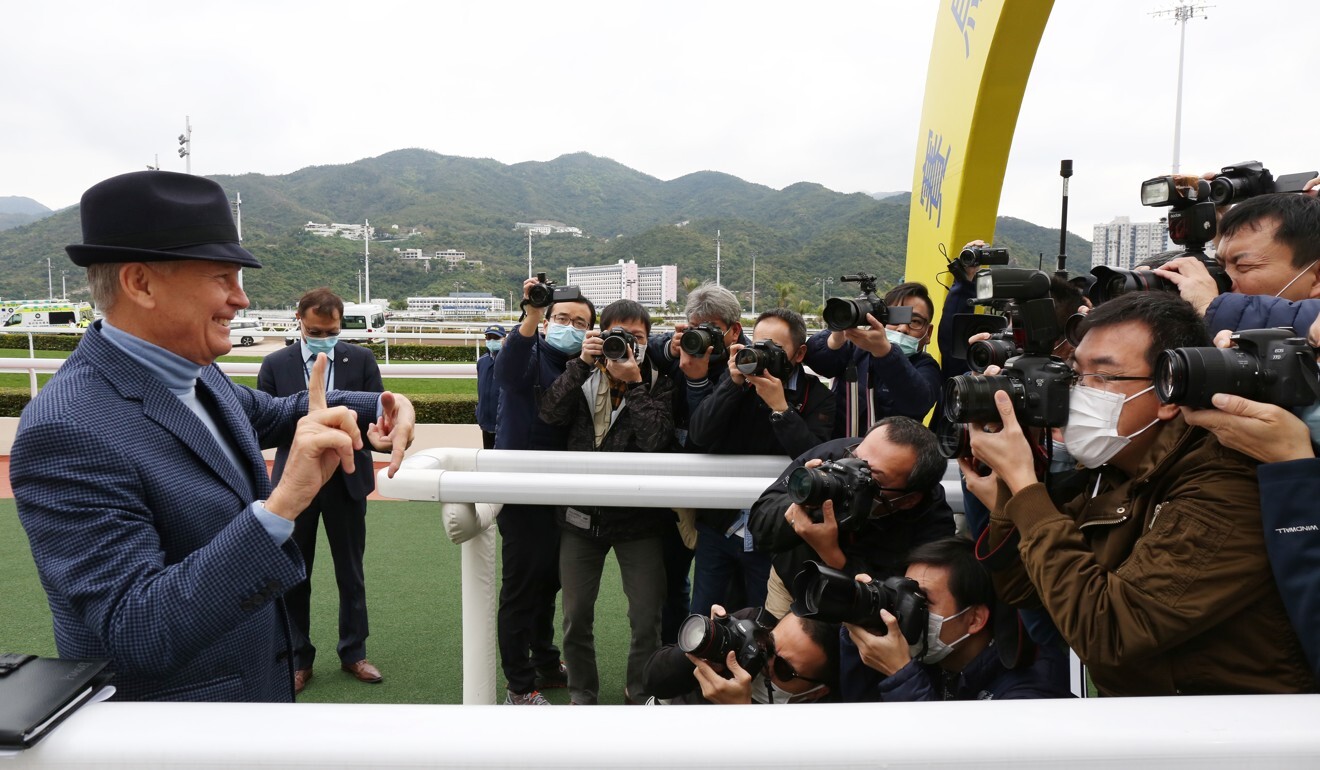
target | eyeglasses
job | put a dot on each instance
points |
(564, 319)
(320, 334)
(918, 324)
(1096, 380)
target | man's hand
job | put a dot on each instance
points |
(396, 429)
(873, 340)
(735, 374)
(970, 271)
(324, 441)
(592, 348)
(823, 537)
(716, 688)
(692, 367)
(771, 390)
(1268, 433)
(1193, 281)
(624, 369)
(1312, 187)
(1004, 447)
(886, 654)
(983, 488)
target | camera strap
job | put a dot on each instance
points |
(1000, 556)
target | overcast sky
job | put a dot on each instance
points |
(772, 92)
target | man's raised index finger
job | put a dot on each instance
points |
(316, 384)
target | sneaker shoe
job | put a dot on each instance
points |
(552, 678)
(533, 698)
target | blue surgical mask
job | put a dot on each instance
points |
(904, 342)
(494, 345)
(565, 338)
(322, 344)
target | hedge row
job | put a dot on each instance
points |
(40, 341)
(432, 408)
(433, 353)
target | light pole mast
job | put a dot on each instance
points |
(753, 284)
(1181, 15)
(185, 144)
(366, 255)
(529, 252)
(50, 281)
(717, 258)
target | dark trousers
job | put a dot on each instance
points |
(346, 531)
(678, 563)
(726, 574)
(487, 439)
(529, 558)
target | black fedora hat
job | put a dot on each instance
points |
(155, 216)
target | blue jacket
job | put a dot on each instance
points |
(898, 385)
(985, 678)
(1291, 517)
(525, 368)
(488, 393)
(1257, 311)
(140, 529)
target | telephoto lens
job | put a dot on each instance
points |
(992, 352)
(830, 596)
(841, 314)
(971, 397)
(1268, 365)
(712, 639)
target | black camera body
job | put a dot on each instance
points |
(545, 293)
(712, 639)
(828, 595)
(698, 338)
(994, 351)
(847, 482)
(1274, 366)
(761, 357)
(1240, 181)
(616, 343)
(1113, 282)
(981, 256)
(842, 314)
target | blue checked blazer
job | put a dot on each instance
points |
(140, 530)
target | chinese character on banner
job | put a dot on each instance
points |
(962, 16)
(932, 176)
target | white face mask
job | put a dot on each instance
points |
(1280, 292)
(1092, 431)
(777, 694)
(936, 649)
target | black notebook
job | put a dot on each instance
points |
(36, 694)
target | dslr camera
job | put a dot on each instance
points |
(1037, 381)
(982, 256)
(842, 314)
(847, 482)
(1270, 365)
(1240, 181)
(545, 293)
(616, 343)
(831, 596)
(994, 351)
(697, 339)
(761, 357)
(712, 639)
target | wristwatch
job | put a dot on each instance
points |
(777, 416)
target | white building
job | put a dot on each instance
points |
(351, 232)
(548, 227)
(459, 304)
(1123, 243)
(651, 286)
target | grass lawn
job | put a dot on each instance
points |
(413, 594)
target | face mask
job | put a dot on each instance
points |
(639, 353)
(1295, 277)
(565, 338)
(322, 344)
(936, 650)
(1092, 430)
(494, 345)
(1311, 416)
(904, 342)
(777, 694)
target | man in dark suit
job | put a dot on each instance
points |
(342, 502)
(137, 470)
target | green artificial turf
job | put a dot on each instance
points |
(413, 599)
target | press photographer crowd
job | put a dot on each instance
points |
(1137, 452)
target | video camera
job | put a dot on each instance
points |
(616, 343)
(1270, 365)
(830, 596)
(545, 293)
(1240, 181)
(713, 639)
(982, 256)
(842, 314)
(847, 482)
(697, 339)
(761, 357)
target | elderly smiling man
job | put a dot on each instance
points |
(138, 471)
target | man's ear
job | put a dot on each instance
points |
(1167, 412)
(136, 284)
(979, 618)
(800, 354)
(1315, 287)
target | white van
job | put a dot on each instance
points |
(241, 331)
(362, 323)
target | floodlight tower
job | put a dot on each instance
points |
(1181, 15)
(185, 144)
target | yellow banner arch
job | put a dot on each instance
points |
(979, 63)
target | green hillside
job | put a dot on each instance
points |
(799, 234)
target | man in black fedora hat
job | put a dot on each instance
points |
(137, 470)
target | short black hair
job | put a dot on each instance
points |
(826, 636)
(911, 289)
(930, 464)
(1067, 298)
(624, 310)
(797, 328)
(969, 580)
(1172, 321)
(1298, 217)
(591, 306)
(321, 301)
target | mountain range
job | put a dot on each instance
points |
(16, 211)
(799, 235)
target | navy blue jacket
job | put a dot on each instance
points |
(1257, 311)
(488, 393)
(985, 678)
(898, 385)
(524, 369)
(955, 302)
(1291, 517)
(688, 394)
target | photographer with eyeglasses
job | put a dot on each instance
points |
(1152, 563)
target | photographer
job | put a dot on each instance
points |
(801, 665)
(762, 413)
(612, 400)
(888, 365)
(1269, 245)
(529, 362)
(906, 508)
(1285, 443)
(959, 659)
(1155, 570)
